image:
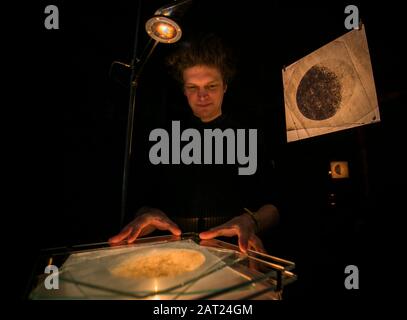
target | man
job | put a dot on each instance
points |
(200, 197)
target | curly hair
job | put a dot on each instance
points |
(206, 50)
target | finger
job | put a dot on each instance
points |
(218, 232)
(175, 230)
(172, 227)
(121, 236)
(115, 244)
(257, 244)
(243, 241)
(151, 224)
(136, 233)
(141, 226)
(166, 224)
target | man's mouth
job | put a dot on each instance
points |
(203, 105)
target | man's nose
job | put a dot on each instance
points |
(202, 93)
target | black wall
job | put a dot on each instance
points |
(82, 134)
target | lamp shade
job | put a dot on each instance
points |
(163, 29)
(162, 26)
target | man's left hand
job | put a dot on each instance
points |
(242, 226)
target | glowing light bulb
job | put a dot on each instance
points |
(163, 29)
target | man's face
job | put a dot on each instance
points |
(204, 89)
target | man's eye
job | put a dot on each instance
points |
(191, 88)
(212, 87)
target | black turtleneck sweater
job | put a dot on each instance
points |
(201, 196)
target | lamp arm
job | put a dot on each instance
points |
(180, 6)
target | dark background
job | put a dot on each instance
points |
(76, 147)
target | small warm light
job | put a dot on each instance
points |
(339, 169)
(156, 296)
(163, 29)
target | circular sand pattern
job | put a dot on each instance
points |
(319, 93)
(324, 89)
(160, 263)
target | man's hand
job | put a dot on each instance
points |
(242, 226)
(144, 224)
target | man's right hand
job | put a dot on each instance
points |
(144, 224)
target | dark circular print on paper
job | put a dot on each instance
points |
(319, 93)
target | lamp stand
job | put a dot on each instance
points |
(137, 66)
